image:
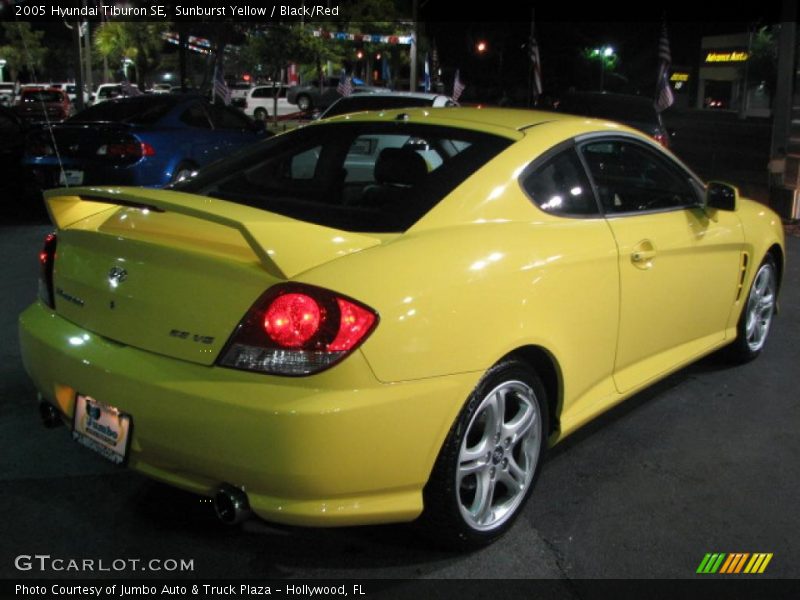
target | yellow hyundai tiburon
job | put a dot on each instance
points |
(389, 316)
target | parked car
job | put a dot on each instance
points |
(72, 91)
(635, 111)
(161, 88)
(384, 101)
(37, 104)
(12, 143)
(8, 93)
(310, 96)
(326, 345)
(260, 102)
(239, 91)
(147, 140)
(109, 91)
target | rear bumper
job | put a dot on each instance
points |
(338, 448)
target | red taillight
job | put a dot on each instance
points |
(298, 329)
(292, 319)
(662, 139)
(126, 150)
(354, 321)
(47, 258)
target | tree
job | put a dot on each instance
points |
(763, 61)
(140, 42)
(24, 50)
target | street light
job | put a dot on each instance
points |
(604, 54)
(481, 47)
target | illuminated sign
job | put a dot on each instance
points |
(727, 57)
(677, 76)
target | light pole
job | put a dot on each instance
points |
(604, 54)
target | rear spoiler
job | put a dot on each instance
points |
(284, 246)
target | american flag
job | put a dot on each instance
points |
(536, 64)
(221, 89)
(664, 96)
(458, 86)
(427, 81)
(345, 87)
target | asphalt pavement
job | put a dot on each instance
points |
(706, 461)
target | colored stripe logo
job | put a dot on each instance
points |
(734, 563)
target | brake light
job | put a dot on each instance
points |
(126, 150)
(298, 329)
(47, 258)
(292, 319)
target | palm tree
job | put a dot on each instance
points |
(139, 42)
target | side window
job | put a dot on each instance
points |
(560, 186)
(195, 116)
(223, 117)
(304, 164)
(632, 178)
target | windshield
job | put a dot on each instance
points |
(370, 177)
(138, 110)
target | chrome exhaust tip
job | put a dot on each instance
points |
(231, 505)
(50, 416)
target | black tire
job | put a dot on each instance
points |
(456, 514)
(757, 315)
(182, 169)
(260, 114)
(304, 102)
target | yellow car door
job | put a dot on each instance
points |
(678, 263)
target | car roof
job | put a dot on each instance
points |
(507, 118)
(512, 123)
(390, 94)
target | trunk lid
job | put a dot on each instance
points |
(173, 273)
(79, 140)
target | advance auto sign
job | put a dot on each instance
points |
(726, 56)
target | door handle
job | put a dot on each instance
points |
(643, 254)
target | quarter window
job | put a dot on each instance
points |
(632, 178)
(195, 116)
(560, 186)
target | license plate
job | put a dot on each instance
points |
(102, 428)
(69, 177)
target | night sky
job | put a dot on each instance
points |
(455, 30)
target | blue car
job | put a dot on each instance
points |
(140, 141)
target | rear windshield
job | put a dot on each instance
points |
(138, 110)
(43, 96)
(367, 102)
(371, 177)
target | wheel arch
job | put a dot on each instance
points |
(777, 254)
(547, 368)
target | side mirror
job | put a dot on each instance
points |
(721, 196)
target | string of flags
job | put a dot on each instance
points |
(405, 40)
